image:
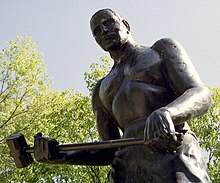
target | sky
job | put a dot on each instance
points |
(61, 30)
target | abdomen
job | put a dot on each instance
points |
(135, 100)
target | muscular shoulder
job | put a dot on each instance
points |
(177, 64)
(168, 46)
(172, 52)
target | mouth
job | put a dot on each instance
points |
(109, 37)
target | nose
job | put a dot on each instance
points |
(105, 29)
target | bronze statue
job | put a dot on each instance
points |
(149, 93)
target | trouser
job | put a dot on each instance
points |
(139, 164)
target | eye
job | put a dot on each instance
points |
(109, 22)
(97, 31)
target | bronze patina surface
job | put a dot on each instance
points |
(150, 93)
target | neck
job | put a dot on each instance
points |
(124, 52)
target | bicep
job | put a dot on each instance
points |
(106, 125)
(178, 67)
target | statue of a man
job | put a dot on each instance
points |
(149, 93)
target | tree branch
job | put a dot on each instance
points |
(15, 109)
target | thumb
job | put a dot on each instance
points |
(38, 135)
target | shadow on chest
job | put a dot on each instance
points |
(145, 67)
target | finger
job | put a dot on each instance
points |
(153, 147)
(171, 145)
(157, 133)
(158, 146)
(170, 124)
(154, 126)
(52, 149)
(46, 148)
(150, 131)
(38, 148)
(172, 137)
(158, 128)
(43, 147)
(165, 125)
(146, 135)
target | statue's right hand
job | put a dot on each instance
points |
(45, 149)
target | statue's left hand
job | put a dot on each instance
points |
(161, 131)
(45, 149)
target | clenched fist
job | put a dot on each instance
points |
(45, 149)
(161, 131)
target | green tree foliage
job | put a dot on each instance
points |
(28, 105)
(207, 129)
(97, 72)
(22, 82)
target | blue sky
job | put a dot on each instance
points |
(61, 30)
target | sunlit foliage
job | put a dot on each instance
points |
(28, 105)
(207, 129)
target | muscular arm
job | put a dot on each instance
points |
(106, 125)
(107, 130)
(193, 97)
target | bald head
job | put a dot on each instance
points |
(109, 29)
(104, 13)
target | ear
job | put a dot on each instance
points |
(126, 24)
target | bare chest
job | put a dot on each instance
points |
(132, 88)
(146, 68)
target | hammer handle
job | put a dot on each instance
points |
(96, 145)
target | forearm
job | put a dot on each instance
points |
(192, 103)
(93, 158)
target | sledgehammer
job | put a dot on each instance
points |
(21, 151)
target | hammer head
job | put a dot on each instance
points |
(17, 145)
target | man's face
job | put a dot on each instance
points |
(109, 31)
